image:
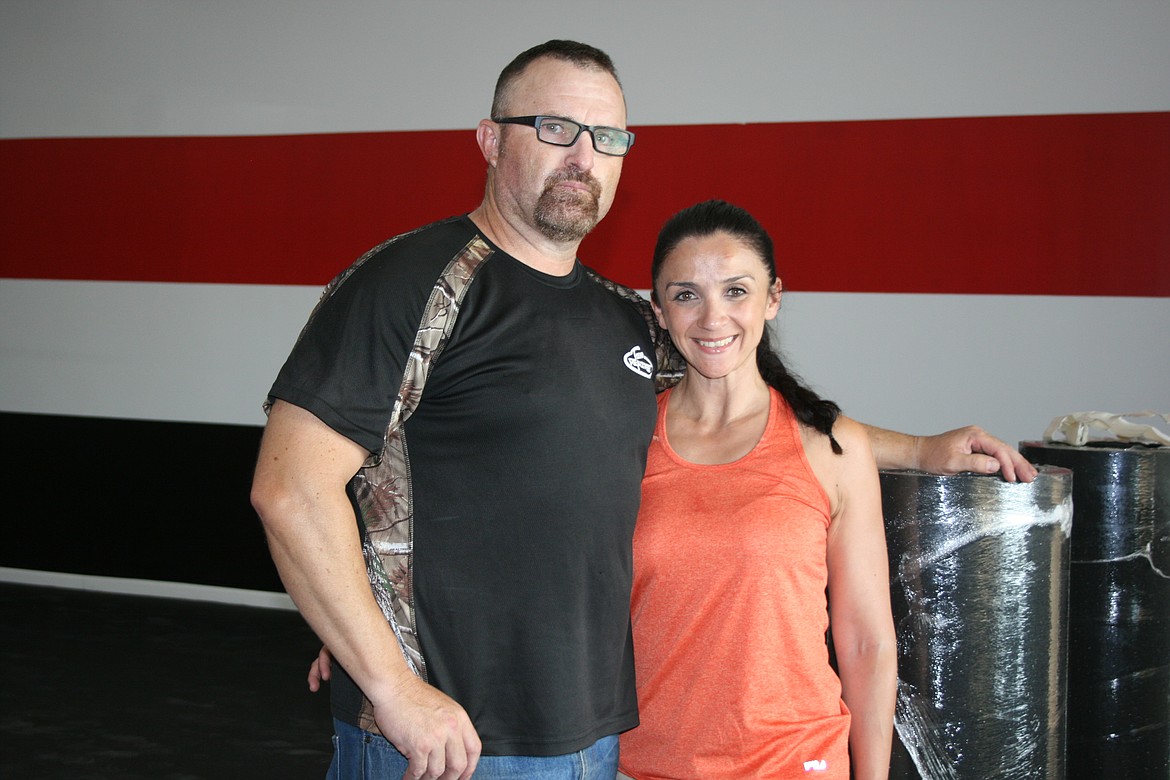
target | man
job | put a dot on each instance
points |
(482, 403)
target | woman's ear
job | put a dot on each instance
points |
(658, 313)
(775, 293)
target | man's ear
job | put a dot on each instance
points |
(487, 135)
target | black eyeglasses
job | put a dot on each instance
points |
(558, 131)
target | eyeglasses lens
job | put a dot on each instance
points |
(562, 132)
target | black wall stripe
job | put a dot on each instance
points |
(131, 498)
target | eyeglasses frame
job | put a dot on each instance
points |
(535, 120)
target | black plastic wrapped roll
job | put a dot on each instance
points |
(1119, 608)
(979, 575)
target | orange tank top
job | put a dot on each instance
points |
(729, 616)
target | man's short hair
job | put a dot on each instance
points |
(580, 54)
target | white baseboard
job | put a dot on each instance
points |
(132, 587)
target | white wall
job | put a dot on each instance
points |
(162, 67)
(913, 362)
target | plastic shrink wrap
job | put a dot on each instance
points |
(1119, 608)
(979, 588)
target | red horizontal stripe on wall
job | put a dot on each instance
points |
(259, 209)
(1044, 205)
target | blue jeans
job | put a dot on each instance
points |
(360, 755)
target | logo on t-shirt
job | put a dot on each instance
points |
(816, 766)
(637, 362)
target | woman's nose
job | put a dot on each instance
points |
(713, 315)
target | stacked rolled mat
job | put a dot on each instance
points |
(1119, 608)
(979, 582)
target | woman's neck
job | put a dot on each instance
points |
(717, 421)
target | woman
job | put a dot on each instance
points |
(758, 498)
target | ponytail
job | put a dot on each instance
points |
(812, 410)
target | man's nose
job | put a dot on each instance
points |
(582, 153)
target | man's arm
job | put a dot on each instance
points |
(299, 491)
(963, 449)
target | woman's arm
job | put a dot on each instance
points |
(963, 449)
(859, 599)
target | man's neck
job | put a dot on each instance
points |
(524, 243)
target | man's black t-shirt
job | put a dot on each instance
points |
(521, 466)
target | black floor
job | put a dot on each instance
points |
(94, 685)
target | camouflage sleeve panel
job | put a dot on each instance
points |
(669, 364)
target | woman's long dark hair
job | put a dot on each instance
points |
(717, 216)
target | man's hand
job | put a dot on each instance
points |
(971, 449)
(430, 729)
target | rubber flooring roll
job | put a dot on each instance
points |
(979, 575)
(1119, 608)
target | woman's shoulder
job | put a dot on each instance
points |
(839, 473)
(851, 435)
(847, 432)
